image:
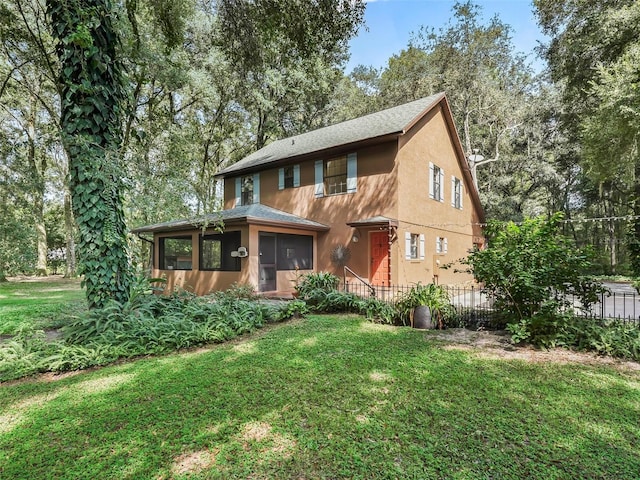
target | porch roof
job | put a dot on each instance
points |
(257, 214)
(377, 221)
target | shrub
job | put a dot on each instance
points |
(317, 281)
(531, 269)
(548, 329)
(237, 291)
(294, 308)
(378, 310)
(154, 324)
(23, 354)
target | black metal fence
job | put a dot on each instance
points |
(475, 308)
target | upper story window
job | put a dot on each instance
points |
(456, 192)
(248, 189)
(436, 182)
(289, 177)
(175, 253)
(336, 175)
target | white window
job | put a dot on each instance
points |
(414, 246)
(456, 192)
(436, 182)
(441, 245)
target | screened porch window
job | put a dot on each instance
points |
(215, 252)
(176, 253)
(294, 252)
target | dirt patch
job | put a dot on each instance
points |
(194, 462)
(498, 345)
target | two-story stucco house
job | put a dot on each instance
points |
(393, 187)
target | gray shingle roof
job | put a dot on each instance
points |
(377, 220)
(386, 122)
(256, 213)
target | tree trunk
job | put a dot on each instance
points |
(41, 235)
(38, 170)
(69, 231)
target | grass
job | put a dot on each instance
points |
(42, 304)
(325, 397)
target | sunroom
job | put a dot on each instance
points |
(253, 244)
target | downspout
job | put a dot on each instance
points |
(153, 246)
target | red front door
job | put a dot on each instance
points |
(379, 247)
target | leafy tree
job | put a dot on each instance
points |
(532, 269)
(28, 95)
(409, 75)
(593, 57)
(356, 94)
(486, 82)
(287, 54)
(17, 237)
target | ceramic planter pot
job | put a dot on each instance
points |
(422, 317)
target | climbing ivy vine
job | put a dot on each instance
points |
(92, 99)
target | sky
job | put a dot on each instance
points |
(391, 22)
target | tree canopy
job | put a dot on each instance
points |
(123, 113)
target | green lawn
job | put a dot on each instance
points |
(41, 303)
(325, 397)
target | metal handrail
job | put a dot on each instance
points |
(372, 290)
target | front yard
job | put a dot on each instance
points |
(329, 397)
(39, 302)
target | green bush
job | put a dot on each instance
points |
(23, 354)
(531, 269)
(294, 308)
(378, 310)
(144, 324)
(548, 329)
(334, 301)
(314, 282)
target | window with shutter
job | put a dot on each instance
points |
(456, 192)
(436, 182)
(336, 175)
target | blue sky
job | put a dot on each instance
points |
(391, 22)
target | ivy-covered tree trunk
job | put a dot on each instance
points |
(69, 231)
(92, 94)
